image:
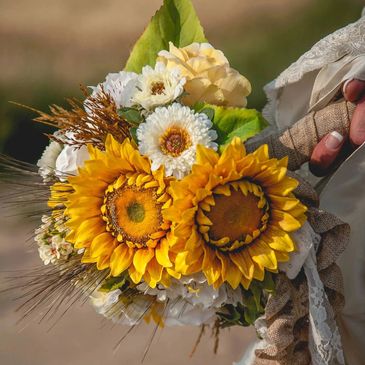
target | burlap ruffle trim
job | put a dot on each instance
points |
(286, 313)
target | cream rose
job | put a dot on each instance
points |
(209, 77)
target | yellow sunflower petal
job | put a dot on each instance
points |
(162, 253)
(135, 275)
(284, 187)
(102, 245)
(206, 155)
(121, 259)
(88, 230)
(103, 262)
(284, 203)
(141, 258)
(285, 220)
(230, 272)
(233, 276)
(245, 282)
(211, 266)
(244, 262)
(279, 240)
(262, 153)
(263, 255)
(154, 269)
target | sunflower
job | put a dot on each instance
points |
(115, 213)
(233, 215)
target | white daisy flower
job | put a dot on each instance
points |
(121, 86)
(158, 86)
(170, 137)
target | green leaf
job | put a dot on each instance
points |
(111, 284)
(234, 122)
(133, 133)
(209, 112)
(269, 283)
(251, 315)
(256, 292)
(175, 22)
(131, 115)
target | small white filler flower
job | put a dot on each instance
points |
(171, 135)
(158, 86)
(52, 245)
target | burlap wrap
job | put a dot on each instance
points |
(299, 141)
(287, 311)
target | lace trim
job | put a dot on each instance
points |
(305, 238)
(324, 337)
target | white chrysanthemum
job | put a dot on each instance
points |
(47, 163)
(126, 311)
(195, 290)
(158, 86)
(121, 86)
(170, 136)
(52, 246)
(191, 301)
(103, 301)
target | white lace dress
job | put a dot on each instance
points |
(308, 84)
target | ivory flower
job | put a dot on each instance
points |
(158, 86)
(209, 77)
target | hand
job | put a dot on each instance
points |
(334, 147)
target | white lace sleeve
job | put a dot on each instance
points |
(349, 40)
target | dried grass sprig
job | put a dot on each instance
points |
(49, 287)
(90, 121)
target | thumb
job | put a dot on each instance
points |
(325, 153)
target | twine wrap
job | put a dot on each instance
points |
(286, 313)
(298, 141)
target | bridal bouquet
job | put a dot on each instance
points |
(155, 210)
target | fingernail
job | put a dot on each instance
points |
(334, 140)
(345, 85)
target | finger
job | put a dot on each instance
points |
(357, 126)
(325, 153)
(353, 90)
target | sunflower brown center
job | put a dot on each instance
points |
(133, 214)
(236, 215)
(175, 141)
(157, 88)
(136, 212)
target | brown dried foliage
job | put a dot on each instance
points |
(88, 128)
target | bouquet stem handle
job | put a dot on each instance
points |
(298, 141)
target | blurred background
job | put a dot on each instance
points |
(47, 49)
